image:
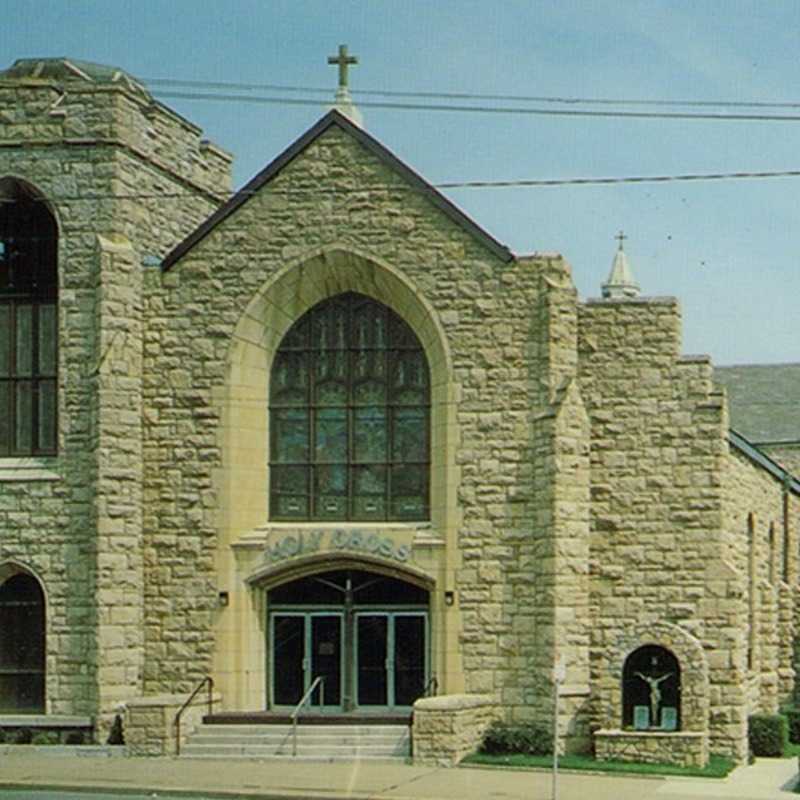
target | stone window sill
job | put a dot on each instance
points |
(30, 468)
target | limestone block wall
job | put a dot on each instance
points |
(75, 519)
(445, 729)
(761, 518)
(289, 246)
(688, 749)
(658, 445)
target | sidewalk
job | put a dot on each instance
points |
(293, 780)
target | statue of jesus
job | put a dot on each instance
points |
(655, 694)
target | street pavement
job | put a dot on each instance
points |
(289, 779)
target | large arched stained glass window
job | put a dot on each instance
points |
(28, 323)
(349, 416)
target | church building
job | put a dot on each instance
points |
(327, 438)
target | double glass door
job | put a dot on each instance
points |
(306, 646)
(390, 658)
(368, 659)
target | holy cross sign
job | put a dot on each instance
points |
(344, 61)
(620, 237)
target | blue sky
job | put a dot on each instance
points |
(730, 251)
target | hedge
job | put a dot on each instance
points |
(768, 734)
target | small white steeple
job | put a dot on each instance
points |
(620, 283)
(344, 101)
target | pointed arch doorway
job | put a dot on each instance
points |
(364, 633)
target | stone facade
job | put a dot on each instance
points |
(586, 497)
(687, 749)
(448, 728)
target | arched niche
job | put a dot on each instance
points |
(687, 651)
(651, 689)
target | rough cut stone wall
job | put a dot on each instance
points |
(659, 440)
(762, 519)
(482, 305)
(75, 519)
(448, 728)
(687, 749)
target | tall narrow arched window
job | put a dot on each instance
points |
(350, 416)
(28, 323)
(22, 645)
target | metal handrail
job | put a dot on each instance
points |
(318, 681)
(431, 687)
(177, 722)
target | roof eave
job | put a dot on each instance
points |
(763, 460)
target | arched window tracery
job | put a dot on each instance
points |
(28, 323)
(349, 416)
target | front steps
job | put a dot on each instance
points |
(320, 742)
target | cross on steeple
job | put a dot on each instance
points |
(620, 237)
(344, 61)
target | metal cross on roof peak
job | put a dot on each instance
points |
(620, 237)
(344, 61)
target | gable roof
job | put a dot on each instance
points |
(335, 119)
(763, 400)
(764, 461)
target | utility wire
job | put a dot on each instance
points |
(534, 182)
(618, 101)
(481, 109)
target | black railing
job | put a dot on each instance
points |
(209, 681)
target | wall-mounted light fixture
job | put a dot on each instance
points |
(224, 599)
(449, 598)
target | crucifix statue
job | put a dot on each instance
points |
(344, 61)
(655, 693)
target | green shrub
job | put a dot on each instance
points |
(3, 735)
(74, 737)
(22, 736)
(793, 719)
(768, 734)
(528, 738)
(45, 737)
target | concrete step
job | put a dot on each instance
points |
(314, 742)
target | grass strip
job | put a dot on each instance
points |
(717, 766)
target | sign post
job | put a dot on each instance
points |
(559, 674)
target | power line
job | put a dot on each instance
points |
(709, 176)
(523, 183)
(618, 101)
(482, 109)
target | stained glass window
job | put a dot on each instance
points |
(350, 416)
(28, 324)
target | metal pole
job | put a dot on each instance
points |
(555, 739)
(559, 674)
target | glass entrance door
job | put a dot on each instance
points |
(390, 658)
(306, 646)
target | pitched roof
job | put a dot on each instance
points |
(764, 400)
(334, 119)
(63, 69)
